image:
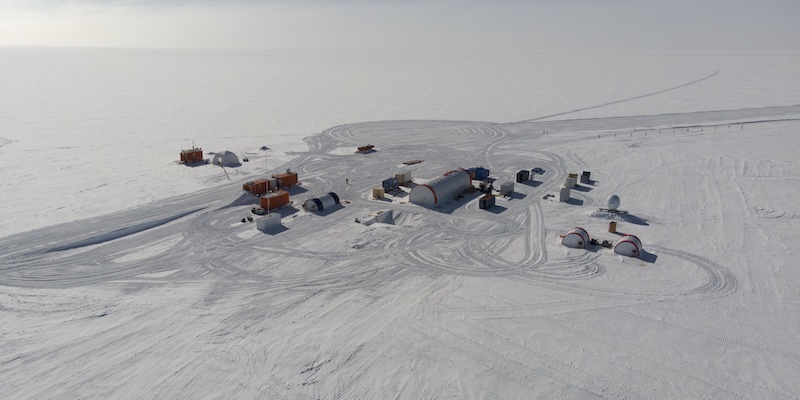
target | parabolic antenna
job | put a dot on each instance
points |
(613, 202)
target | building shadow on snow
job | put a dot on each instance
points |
(593, 248)
(495, 209)
(531, 183)
(274, 230)
(245, 199)
(399, 194)
(295, 190)
(197, 163)
(575, 202)
(630, 218)
(330, 210)
(285, 211)
(647, 256)
(582, 188)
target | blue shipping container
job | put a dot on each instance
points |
(479, 173)
(390, 184)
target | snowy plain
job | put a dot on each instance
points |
(124, 274)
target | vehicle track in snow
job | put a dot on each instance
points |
(211, 231)
(709, 76)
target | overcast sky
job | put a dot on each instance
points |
(394, 25)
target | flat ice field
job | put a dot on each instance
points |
(180, 299)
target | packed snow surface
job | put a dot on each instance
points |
(177, 298)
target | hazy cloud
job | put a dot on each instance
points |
(444, 25)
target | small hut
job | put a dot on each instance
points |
(523, 176)
(486, 202)
(268, 222)
(572, 181)
(564, 195)
(506, 188)
(478, 173)
(403, 177)
(390, 184)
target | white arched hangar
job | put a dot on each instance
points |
(321, 203)
(440, 189)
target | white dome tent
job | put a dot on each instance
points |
(441, 188)
(577, 238)
(226, 159)
(629, 245)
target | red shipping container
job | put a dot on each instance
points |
(273, 200)
(288, 179)
(191, 155)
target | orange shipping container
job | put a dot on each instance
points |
(257, 186)
(288, 179)
(271, 201)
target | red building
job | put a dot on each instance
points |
(288, 179)
(260, 186)
(271, 201)
(191, 155)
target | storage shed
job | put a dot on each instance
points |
(226, 159)
(321, 203)
(576, 238)
(572, 181)
(378, 192)
(564, 195)
(390, 184)
(441, 188)
(629, 245)
(273, 200)
(403, 177)
(486, 202)
(506, 188)
(268, 222)
(523, 176)
(191, 155)
(478, 173)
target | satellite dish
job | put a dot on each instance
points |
(613, 202)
